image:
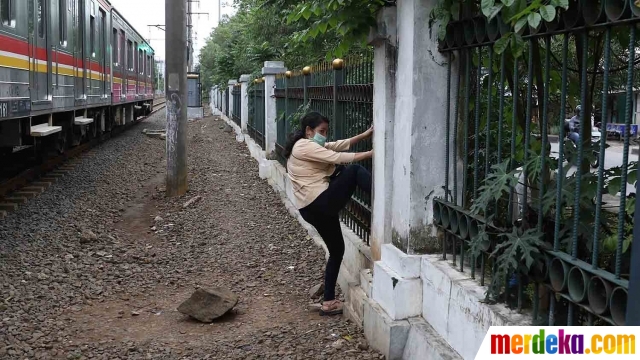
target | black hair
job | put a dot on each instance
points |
(312, 120)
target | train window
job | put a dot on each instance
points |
(41, 19)
(136, 59)
(8, 12)
(121, 51)
(102, 36)
(140, 63)
(114, 47)
(92, 35)
(130, 57)
(62, 20)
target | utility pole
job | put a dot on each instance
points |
(176, 94)
(189, 37)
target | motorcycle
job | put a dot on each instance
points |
(596, 134)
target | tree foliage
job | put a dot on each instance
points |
(300, 33)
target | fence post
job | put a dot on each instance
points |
(269, 71)
(420, 139)
(244, 101)
(231, 84)
(338, 113)
(306, 71)
(384, 40)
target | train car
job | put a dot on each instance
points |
(69, 70)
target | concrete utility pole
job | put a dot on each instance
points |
(189, 37)
(176, 94)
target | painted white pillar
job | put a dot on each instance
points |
(384, 40)
(225, 103)
(269, 71)
(419, 129)
(231, 84)
(244, 101)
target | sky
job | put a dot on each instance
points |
(141, 13)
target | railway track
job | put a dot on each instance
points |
(33, 181)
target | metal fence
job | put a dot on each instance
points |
(236, 113)
(547, 222)
(343, 92)
(256, 124)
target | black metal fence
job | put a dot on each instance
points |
(256, 123)
(542, 214)
(236, 113)
(342, 91)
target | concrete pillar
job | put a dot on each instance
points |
(384, 40)
(231, 84)
(225, 102)
(244, 101)
(269, 71)
(418, 164)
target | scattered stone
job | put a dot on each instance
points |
(339, 344)
(192, 201)
(87, 236)
(316, 291)
(228, 128)
(158, 219)
(208, 305)
(134, 313)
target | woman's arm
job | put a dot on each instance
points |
(363, 156)
(365, 135)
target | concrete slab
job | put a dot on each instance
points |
(366, 280)
(384, 334)
(26, 194)
(407, 266)
(44, 184)
(81, 120)
(357, 297)
(424, 342)
(44, 130)
(401, 298)
(33, 188)
(16, 199)
(454, 306)
(7, 206)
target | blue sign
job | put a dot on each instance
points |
(620, 128)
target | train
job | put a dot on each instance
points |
(70, 70)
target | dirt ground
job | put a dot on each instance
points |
(114, 293)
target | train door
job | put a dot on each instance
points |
(80, 58)
(40, 52)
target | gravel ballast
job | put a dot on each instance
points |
(96, 266)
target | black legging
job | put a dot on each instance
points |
(323, 214)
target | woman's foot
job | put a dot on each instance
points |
(333, 307)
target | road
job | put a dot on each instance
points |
(613, 158)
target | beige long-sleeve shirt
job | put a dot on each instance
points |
(310, 166)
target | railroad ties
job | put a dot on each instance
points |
(21, 196)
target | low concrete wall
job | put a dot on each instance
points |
(454, 306)
(357, 255)
(445, 306)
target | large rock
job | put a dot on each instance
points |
(208, 305)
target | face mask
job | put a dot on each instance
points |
(319, 139)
